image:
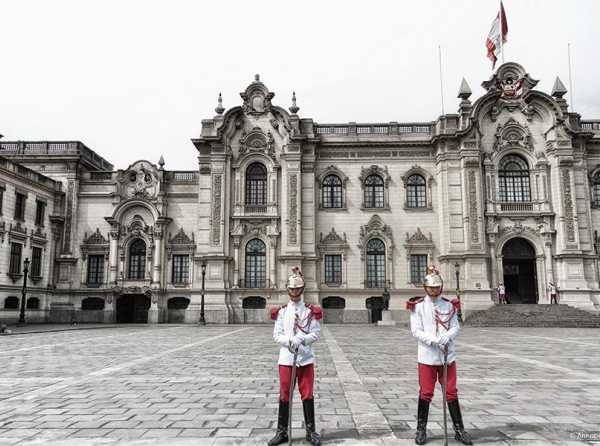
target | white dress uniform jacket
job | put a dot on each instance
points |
(308, 322)
(424, 327)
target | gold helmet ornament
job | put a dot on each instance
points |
(296, 280)
(433, 278)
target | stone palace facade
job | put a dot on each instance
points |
(507, 190)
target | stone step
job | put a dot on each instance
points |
(533, 315)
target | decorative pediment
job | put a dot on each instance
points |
(140, 180)
(375, 228)
(365, 172)
(96, 243)
(17, 231)
(331, 170)
(38, 237)
(257, 141)
(181, 238)
(512, 135)
(257, 98)
(417, 170)
(418, 239)
(96, 238)
(332, 242)
(511, 81)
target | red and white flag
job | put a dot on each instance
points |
(497, 36)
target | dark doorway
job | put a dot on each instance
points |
(520, 279)
(133, 308)
(333, 309)
(375, 305)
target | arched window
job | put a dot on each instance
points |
(11, 303)
(178, 303)
(256, 264)
(254, 303)
(137, 260)
(375, 263)
(513, 179)
(331, 191)
(596, 190)
(374, 192)
(33, 303)
(416, 194)
(256, 185)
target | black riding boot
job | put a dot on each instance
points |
(309, 420)
(459, 429)
(281, 436)
(422, 415)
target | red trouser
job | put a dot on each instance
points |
(305, 376)
(428, 374)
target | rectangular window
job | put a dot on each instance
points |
(95, 272)
(180, 268)
(36, 262)
(15, 258)
(20, 206)
(418, 268)
(1, 198)
(333, 269)
(40, 212)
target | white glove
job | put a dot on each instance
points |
(296, 341)
(443, 339)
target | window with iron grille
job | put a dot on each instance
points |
(374, 192)
(1, 198)
(95, 272)
(333, 269)
(256, 264)
(40, 211)
(33, 303)
(513, 179)
(20, 206)
(418, 268)
(331, 191)
(596, 191)
(36, 262)
(16, 250)
(256, 185)
(181, 268)
(375, 263)
(137, 260)
(416, 192)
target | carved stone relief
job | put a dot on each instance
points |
(216, 210)
(473, 212)
(293, 209)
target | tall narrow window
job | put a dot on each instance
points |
(95, 272)
(137, 260)
(40, 211)
(374, 192)
(513, 179)
(16, 250)
(36, 262)
(256, 185)
(596, 191)
(375, 263)
(333, 269)
(20, 206)
(331, 190)
(256, 264)
(180, 268)
(1, 198)
(418, 268)
(416, 192)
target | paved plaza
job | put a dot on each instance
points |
(180, 385)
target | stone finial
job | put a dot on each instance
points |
(161, 162)
(294, 108)
(559, 89)
(257, 78)
(464, 92)
(220, 108)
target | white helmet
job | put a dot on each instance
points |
(433, 278)
(296, 280)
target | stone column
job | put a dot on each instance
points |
(157, 259)
(236, 261)
(113, 255)
(272, 266)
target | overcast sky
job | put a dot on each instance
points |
(134, 79)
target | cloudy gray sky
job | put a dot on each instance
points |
(134, 79)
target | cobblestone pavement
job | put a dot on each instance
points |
(217, 385)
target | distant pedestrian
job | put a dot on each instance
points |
(501, 294)
(553, 291)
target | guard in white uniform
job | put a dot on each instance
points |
(434, 322)
(297, 327)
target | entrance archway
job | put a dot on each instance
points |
(375, 304)
(519, 271)
(133, 308)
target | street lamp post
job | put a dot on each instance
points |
(24, 292)
(457, 272)
(202, 320)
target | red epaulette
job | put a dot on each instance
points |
(316, 311)
(455, 303)
(412, 302)
(275, 312)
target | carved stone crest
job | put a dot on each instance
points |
(139, 180)
(257, 98)
(257, 140)
(512, 83)
(512, 134)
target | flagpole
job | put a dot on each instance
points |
(570, 79)
(501, 31)
(441, 82)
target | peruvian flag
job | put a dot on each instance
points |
(497, 36)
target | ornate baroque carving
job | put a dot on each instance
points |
(293, 210)
(473, 214)
(375, 228)
(216, 210)
(139, 180)
(568, 200)
(511, 135)
(257, 140)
